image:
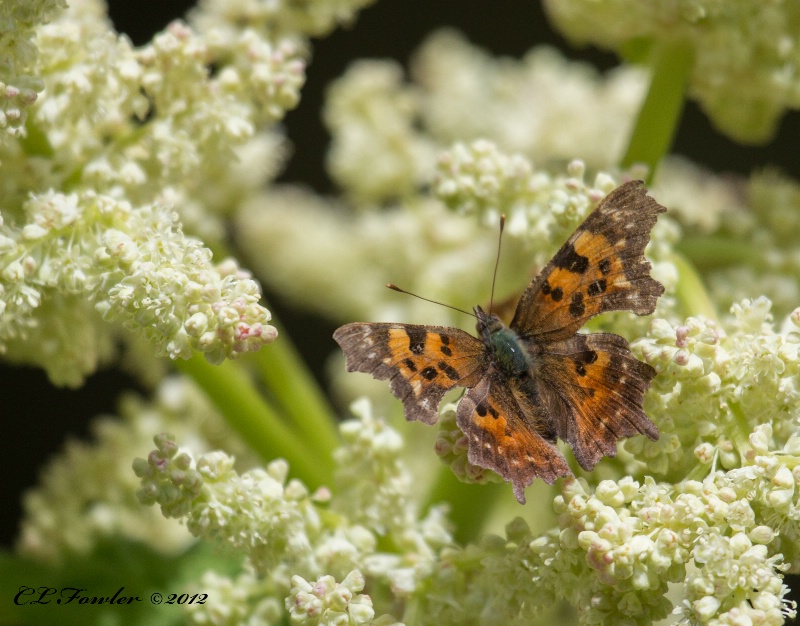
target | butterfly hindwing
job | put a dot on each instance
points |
(600, 268)
(499, 422)
(421, 363)
(593, 387)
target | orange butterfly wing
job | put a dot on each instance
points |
(505, 435)
(421, 363)
(600, 268)
(592, 387)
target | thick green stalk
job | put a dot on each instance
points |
(741, 431)
(691, 292)
(294, 389)
(717, 251)
(655, 127)
(233, 393)
(470, 505)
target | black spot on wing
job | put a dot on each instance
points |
(484, 408)
(597, 287)
(583, 359)
(429, 373)
(568, 259)
(448, 371)
(416, 339)
(605, 267)
(409, 363)
(576, 306)
(556, 294)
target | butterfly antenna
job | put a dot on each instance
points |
(497, 260)
(408, 293)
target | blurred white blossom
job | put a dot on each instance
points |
(86, 492)
(543, 106)
(745, 55)
(132, 264)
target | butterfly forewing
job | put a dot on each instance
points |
(421, 363)
(600, 268)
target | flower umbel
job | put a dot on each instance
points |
(289, 536)
(134, 265)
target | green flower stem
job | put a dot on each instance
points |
(789, 460)
(699, 472)
(294, 389)
(741, 431)
(470, 504)
(662, 107)
(690, 292)
(35, 141)
(711, 252)
(235, 396)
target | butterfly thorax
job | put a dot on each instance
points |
(503, 343)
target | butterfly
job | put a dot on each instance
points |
(538, 378)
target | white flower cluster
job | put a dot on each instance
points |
(19, 84)
(119, 116)
(126, 150)
(478, 177)
(84, 498)
(716, 383)
(393, 129)
(132, 264)
(329, 603)
(246, 598)
(371, 116)
(625, 541)
(258, 512)
(761, 245)
(542, 106)
(372, 448)
(283, 18)
(288, 536)
(619, 546)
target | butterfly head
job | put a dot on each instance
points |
(488, 323)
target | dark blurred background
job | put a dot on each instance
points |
(38, 417)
